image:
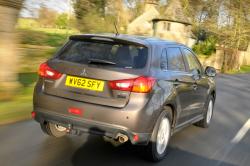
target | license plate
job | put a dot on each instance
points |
(84, 83)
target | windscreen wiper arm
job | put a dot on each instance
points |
(101, 61)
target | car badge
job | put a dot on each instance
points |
(83, 73)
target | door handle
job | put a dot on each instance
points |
(176, 82)
(195, 86)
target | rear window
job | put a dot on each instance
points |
(100, 52)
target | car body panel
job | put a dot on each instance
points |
(129, 112)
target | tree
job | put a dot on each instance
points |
(83, 7)
(136, 7)
(100, 6)
(62, 21)
(228, 21)
(117, 12)
(234, 31)
(47, 17)
(91, 16)
(9, 11)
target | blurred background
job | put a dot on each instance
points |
(32, 31)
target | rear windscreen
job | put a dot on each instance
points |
(105, 53)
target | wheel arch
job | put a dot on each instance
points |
(174, 113)
(213, 94)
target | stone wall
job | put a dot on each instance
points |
(217, 59)
(244, 58)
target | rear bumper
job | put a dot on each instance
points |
(78, 126)
(137, 117)
(139, 114)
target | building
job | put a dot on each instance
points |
(172, 24)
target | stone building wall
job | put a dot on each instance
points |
(172, 25)
(173, 31)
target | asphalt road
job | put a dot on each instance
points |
(24, 143)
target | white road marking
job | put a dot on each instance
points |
(241, 133)
(238, 137)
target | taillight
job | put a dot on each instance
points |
(75, 111)
(141, 84)
(47, 72)
(124, 85)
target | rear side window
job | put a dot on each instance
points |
(175, 60)
(117, 54)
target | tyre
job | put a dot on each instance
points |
(54, 130)
(208, 114)
(157, 147)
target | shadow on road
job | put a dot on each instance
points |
(97, 152)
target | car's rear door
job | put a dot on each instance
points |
(201, 85)
(182, 81)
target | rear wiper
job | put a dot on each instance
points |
(101, 61)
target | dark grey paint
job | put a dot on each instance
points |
(135, 112)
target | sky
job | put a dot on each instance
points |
(31, 7)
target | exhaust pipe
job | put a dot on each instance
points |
(122, 138)
(118, 140)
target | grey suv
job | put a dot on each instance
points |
(124, 88)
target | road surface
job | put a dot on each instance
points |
(225, 143)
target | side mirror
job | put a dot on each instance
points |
(210, 71)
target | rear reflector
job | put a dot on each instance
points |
(141, 84)
(75, 111)
(33, 114)
(136, 138)
(47, 72)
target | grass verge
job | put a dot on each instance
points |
(45, 36)
(20, 107)
(243, 70)
(36, 46)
